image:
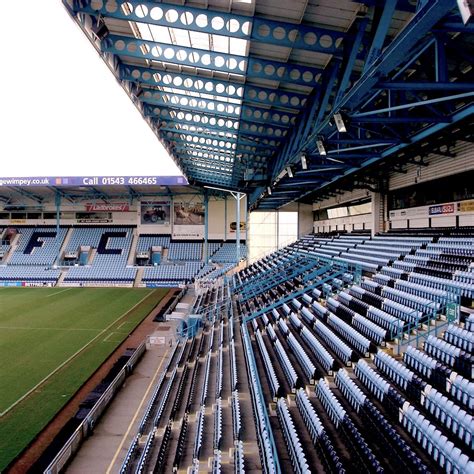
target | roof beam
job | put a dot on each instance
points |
(210, 60)
(172, 134)
(27, 194)
(207, 85)
(381, 32)
(290, 35)
(263, 131)
(425, 86)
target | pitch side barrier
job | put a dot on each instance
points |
(84, 430)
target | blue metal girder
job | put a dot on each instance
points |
(278, 33)
(179, 55)
(174, 135)
(182, 101)
(425, 86)
(188, 82)
(216, 170)
(283, 72)
(204, 167)
(221, 88)
(422, 135)
(275, 133)
(348, 65)
(381, 32)
(214, 159)
(28, 194)
(204, 59)
(184, 146)
(206, 178)
(400, 120)
(222, 152)
(249, 114)
(398, 50)
(274, 97)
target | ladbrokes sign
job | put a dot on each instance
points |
(107, 207)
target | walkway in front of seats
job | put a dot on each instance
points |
(105, 450)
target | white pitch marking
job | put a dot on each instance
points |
(59, 367)
(57, 292)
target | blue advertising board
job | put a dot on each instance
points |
(94, 181)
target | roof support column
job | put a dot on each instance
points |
(238, 197)
(57, 201)
(206, 227)
(378, 212)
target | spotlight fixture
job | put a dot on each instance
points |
(289, 171)
(269, 190)
(304, 163)
(321, 149)
(341, 127)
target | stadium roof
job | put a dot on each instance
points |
(279, 98)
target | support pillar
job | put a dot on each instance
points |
(206, 228)
(57, 200)
(225, 218)
(237, 228)
(378, 213)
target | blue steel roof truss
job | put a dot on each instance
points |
(221, 114)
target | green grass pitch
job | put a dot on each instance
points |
(51, 341)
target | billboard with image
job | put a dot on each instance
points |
(155, 212)
(188, 213)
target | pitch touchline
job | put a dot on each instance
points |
(57, 369)
(57, 292)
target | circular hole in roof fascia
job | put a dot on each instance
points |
(111, 6)
(325, 41)
(307, 76)
(141, 10)
(232, 25)
(263, 31)
(172, 16)
(98, 5)
(181, 55)
(246, 27)
(310, 38)
(156, 13)
(201, 21)
(186, 18)
(132, 47)
(269, 69)
(293, 35)
(279, 33)
(119, 45)
(219, 61)
(295, 74)
(206, 59)
(217, 23)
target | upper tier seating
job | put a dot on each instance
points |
(146, 241)
(38, 246)
(109, 263)
(185, 251)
